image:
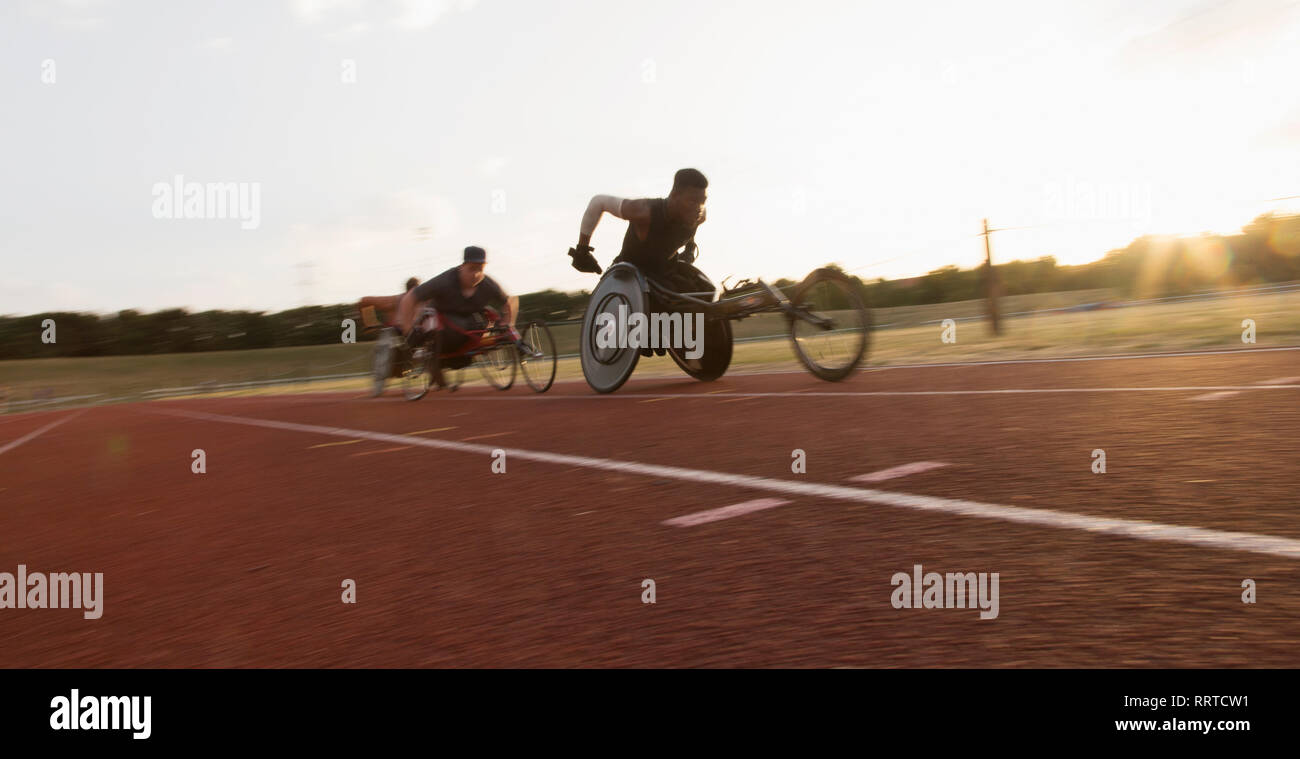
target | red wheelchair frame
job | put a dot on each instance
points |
(394, 359)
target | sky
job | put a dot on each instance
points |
(380, 138)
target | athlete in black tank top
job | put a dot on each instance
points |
(657, 227)
(664, 237)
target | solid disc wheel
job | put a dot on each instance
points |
(606, 361)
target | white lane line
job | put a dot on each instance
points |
(355, 394)
(1064, 359)
(40, 401)
(874, 393)
(1216, 396)
(1058, 360)
(1129, 528)
(37, 433)
(725, 512)
(916, 467)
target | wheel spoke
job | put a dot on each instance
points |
(538, 369)
(830, 327)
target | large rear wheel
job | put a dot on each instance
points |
(605, 364)
(423, 367)
(830, 326)
(498, 365)
(712, 363)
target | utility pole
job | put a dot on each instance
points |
(992, 288)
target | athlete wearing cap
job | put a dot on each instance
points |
(462, 296)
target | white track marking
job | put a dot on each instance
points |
(45, 401)
(358, 395)
(875, 393)
(916, 467)
(725, 512)
(1128, 528)
(37, 433)
(1064, 359)
(1216, 396)
(1014, 361)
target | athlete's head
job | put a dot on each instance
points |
(412, 283)
(471, 271)
(686, 201)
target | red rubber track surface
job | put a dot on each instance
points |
(456, 566)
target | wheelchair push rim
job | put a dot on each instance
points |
(497, 365)
(418, 377)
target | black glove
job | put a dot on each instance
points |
(583, 260)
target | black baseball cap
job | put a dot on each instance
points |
(475, 255)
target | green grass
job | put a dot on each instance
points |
(1155, 327)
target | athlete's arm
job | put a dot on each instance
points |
(510, 311)
(406, 312)
(689, 253)
(510, 304)
(371, 305)
(381, 302)
(413, 297)
(635, 211)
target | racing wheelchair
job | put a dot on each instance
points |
(497, 353)
(828, 324)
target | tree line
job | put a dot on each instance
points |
(1266, 250)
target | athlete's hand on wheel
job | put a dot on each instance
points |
(583, 260)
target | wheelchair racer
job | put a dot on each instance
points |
(463, 297)
(381, 310)
(660, 238)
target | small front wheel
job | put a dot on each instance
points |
(829, 325)
(537, 356)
